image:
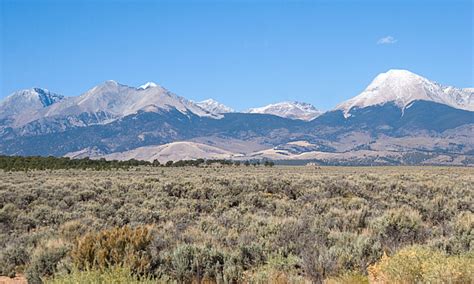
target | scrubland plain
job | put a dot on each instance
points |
(239, 224)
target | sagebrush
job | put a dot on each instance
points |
(231, 224)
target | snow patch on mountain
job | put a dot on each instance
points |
(26, 102)
(403, 87)
(293, 110)
(215, 107)
(148, 85)
(111, 100)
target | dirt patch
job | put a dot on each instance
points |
(19, 279)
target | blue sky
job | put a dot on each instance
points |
(242, 53)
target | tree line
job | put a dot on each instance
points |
(20, 163)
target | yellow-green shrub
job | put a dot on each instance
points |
(116, 275)
(418, 264)
(348, 278)
(118, 246)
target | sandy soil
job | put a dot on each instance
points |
(19, 279)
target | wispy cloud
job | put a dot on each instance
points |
(387, 40)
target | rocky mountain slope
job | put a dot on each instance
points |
(292, 110)
(26, 103)
(107, 102)
(215, 107)
(401, 118)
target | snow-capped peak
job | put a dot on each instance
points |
(148, 85)
(110, 101)
(402, 87)
(289, 109)
(27, 101)
(34, 98)
(40, 95)
(215, 107)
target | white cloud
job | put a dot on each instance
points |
(387, 40)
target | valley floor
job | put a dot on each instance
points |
(234, 224)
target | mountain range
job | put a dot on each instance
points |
(293, 110)
(400, 118)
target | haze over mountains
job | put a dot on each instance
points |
(401, 118)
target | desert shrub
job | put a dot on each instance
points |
(114, 274)
(398, 227)
(45, 215)
(318, 263)
(271, 275)
(195, 263)
(463, 238)
(437, 211)
(45, 260)
(72, 230)
(8, 216)
(13, 259)
(232, 271)
(134, 215)
(353, 252)
(277, 269)
(348, 278)
(117, 246)
(288, 234)
(422, 265)
(250, 256)
(237, 220)
(452, 269)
